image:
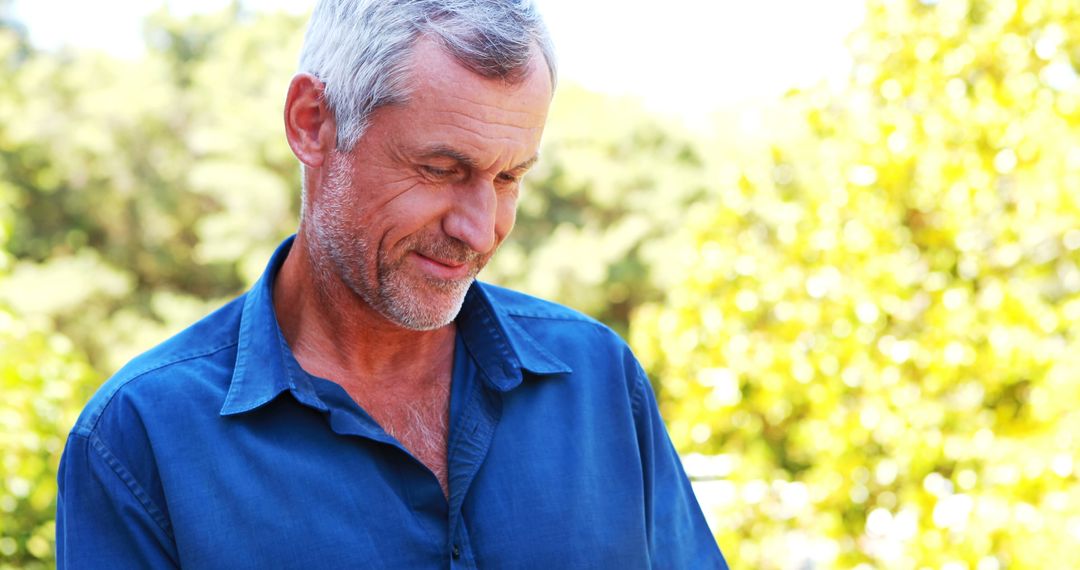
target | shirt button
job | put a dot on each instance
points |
(455, 552)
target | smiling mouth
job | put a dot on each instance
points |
(444, 263)
(443, 268)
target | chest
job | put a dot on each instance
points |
(535, 501)
(525, 495)
(418, 419)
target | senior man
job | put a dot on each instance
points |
(368, 404)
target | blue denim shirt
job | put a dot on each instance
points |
(216, 450)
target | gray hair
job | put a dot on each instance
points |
(359, 49)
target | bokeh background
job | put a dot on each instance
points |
(843, 238)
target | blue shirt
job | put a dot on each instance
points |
(216, 450)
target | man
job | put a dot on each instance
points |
(367, 403)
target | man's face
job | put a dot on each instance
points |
(411, 214)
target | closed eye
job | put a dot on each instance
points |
(437, 172)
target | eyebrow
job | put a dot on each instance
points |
(450, 153)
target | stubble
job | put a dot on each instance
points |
(344, 252)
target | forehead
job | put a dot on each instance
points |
(448, 101)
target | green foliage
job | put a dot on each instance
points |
(45, 382)
(876, 334)
(166, 176)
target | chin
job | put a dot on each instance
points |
(424, 308)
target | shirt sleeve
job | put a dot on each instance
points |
(677, 532)
(104, 518)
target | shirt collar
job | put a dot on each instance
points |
(501, 347)
(265, 366)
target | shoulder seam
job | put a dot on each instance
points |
(519, 304)
(131, 484)
(86, 428)
(639, 386)
(555, 317)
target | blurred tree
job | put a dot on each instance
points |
(44, 380)
(159, 185)
(876, 333)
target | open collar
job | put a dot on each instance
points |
(501, 347)
(265, 366)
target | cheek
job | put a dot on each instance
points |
(411, 214)
(505, 216)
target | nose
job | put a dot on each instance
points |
(472, 217)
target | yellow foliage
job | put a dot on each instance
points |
(879, 340)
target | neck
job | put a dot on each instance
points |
(334, 334)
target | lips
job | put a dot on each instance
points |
(442, 268)
(449, 263)
(442, 259)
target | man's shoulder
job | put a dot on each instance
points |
(560, 329)
(524, 306)
(199, 354)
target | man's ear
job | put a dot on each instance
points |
(309, 124)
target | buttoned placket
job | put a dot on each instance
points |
(468, 445)
(467, 449)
